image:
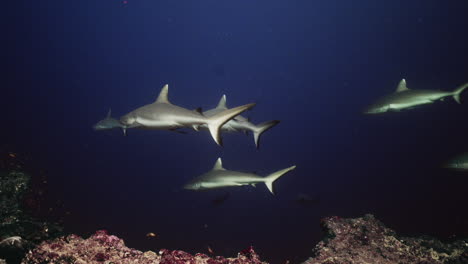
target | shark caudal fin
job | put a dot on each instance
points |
(458, 91)
(260, 128)
(217, 121)
(274, 176)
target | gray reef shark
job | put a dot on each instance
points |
(404, 98)
(111, 123)
(165, 116)
(459, 162)
(108, 123)
(240, 123)
(218, 177)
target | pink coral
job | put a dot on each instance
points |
(367, 240)
(104, 248)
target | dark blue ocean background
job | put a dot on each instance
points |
(314, 65)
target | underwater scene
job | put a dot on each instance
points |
(234, 132)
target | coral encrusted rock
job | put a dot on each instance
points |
(104, 248)
(367, 240)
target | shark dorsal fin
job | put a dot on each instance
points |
(109, 113)
(402, 86)
(162, 97)
(218, 165)
(222, 102)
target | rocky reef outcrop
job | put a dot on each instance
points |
(367, 240)
(20, 229)
(104, 248)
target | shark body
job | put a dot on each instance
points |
(108, 123)
(111, 123)
(459, 162)
(404, 98)
(240, 123)
(219, 177)
(164, 115)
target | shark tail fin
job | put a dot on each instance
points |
(458, 91)
(274, 176)
(260, 128)
(217, 121)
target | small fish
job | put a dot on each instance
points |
(210, 250)
(150, 234)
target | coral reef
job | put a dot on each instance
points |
(367, 240)
(19, 230)
(104, 248)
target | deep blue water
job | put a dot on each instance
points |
(314, 65)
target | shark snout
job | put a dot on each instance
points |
(375, 109)
(98, 127)
(192, 186)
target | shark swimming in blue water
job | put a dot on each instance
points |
(108, 123)
(219, 177)
(404, 98)
(163, 115)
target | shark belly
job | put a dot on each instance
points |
(164, 116)
(232, 126)
(244, 126)
(157, 124)
(217, 185)
(409, 104)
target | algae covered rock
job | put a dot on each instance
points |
(104, 248)
(20, 231)
(367, 240)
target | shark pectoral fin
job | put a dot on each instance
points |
(458, 91)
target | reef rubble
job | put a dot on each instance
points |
(104, 248)
(367, 240)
